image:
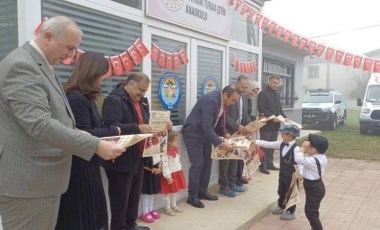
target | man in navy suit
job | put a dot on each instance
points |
(199, 134)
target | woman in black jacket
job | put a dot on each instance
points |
(84, 206)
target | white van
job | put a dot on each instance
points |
(370, 114)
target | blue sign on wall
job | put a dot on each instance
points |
(169, 91)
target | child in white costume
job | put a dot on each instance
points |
(172, 179)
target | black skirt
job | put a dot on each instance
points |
(152, 182)
(83, 206)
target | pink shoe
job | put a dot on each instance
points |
(147, 218)
(155, 214)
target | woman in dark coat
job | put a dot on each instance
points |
(83, 206)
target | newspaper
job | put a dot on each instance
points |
(127, 140)
(253, 162)
(241, 149)
(157, 143)
(282, 119)
(292, 196)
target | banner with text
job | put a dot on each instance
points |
(207, 16)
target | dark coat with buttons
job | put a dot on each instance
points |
(119, 110)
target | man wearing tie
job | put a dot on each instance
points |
(199, 134)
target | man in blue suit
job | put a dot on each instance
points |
(199, 134)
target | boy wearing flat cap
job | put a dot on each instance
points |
(314, 167)
(287, 148)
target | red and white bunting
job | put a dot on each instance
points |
(357, 61)
(329, 53)
(368, 64)
(348, 59)
(338, 56)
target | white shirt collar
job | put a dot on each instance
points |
(36, 47)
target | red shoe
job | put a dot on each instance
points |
(147, 218)
(155, 214)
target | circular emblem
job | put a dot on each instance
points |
(173, 5)
(209, 85)
(169, 91)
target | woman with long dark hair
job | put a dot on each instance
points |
(83, 206)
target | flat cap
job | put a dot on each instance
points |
(292, 130)
(319, 143)
(255, 85)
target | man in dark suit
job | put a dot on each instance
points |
(268, 103)
(38, 136)
(199, 134)
(237, 116)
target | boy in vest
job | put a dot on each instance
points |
(312, 157)
(287, 148)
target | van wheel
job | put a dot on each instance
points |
(363, 130)
(332, 123)
(344, 119)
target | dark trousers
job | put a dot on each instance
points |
(227, 173)
(239, 172)
(315, 191)
(199, 151)
(283, 187)
(124, 190)
(267, 160)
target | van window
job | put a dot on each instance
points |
(373, 94)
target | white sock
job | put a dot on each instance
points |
(145, 203)
(167, 201)
(150, 204)
(173, 200)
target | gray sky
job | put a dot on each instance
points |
(311, 18)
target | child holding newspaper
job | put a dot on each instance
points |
(287, 147)
(172, 179)
(314, 164)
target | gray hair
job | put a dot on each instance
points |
(57, 25)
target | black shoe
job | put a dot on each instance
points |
(262, 170)
(273, 168)
(207, 196)
(195, 202)
(244, 181)
(136, 227)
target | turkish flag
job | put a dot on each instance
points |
(367, 64)
(295, 39)
(39, 27)
(264, 24)
(320, 49)
(303, 43)
(162, 59)
(348, 59)
(68, 60)
(231, 2)
(238, 4)
(248, 67)
(116, 65)
(252, 13)
(357, 61)
(183, 56)
(272, 27)
(78, 54)
(376, 66)
(338, 56)
(177, 62)
(258, 18)
(287, 35)
(243, 67)
(169, 60)
(141, 47)
(254, 66)
(135, 55)
(234, 61)
(245, 9)
(109, 73)
(155, 51)
(279, 32)
(126, 60)
(329, 53)
(312, 46)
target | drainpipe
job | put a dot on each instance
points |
(328, 76)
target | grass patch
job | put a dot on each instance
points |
(347, 142)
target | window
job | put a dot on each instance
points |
(8, 27)
(313, 71)
(177, 115)
(210, 64)
(132, 3)
(244, 30)
(102, 33)
(286, 73)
